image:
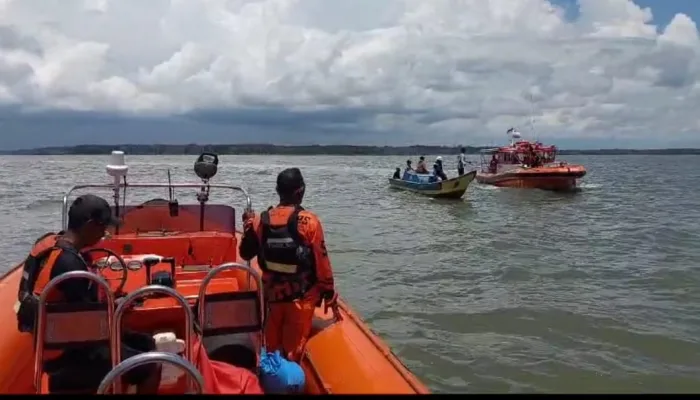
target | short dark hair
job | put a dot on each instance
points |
(289, 181)
(87, 208)
(463, 149)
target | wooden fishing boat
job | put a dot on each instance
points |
(426, 185)
(196, 246)
(529, 165)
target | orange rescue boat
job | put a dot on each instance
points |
(530, 165)
(197, 245)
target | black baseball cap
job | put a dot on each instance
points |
(89, 207)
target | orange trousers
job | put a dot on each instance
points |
(288, 326)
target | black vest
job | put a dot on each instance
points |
(288, 263)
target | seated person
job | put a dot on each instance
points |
(408, 166)
(421, 167)
(83, 368)
(397, 173)
(438, 170)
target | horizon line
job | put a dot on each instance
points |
(92, 149)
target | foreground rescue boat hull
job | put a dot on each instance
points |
(183, 279)
(341, 357)
(450, 189)
(560, 178)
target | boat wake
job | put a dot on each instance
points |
(590, 186)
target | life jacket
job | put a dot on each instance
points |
(36, 274)
(288, 264)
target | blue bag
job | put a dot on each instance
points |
(279, 375)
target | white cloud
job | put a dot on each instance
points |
(434, 71)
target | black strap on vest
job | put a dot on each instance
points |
(292, 223)
(292, 229)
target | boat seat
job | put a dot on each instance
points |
(223, 316)
(231, 313)
(63, 327)
(229, 319)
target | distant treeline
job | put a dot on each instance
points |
(262, 149)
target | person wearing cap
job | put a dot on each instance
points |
(54, 254)
(289, 244)
(421, 168)
(438, 170)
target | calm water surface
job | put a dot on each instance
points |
(506, 291)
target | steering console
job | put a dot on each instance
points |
(119, 291)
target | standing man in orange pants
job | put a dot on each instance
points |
(297, 276)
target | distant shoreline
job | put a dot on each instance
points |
(342, 150)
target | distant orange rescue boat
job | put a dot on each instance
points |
(530, 165)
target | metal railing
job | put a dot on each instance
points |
(64, 214)
(251, 273)
(42, 317)
(150, 358)
(130, 299)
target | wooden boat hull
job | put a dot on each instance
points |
(450, 189)
(341, 357)
(555, 178)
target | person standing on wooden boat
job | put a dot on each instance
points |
(291, 250)
(56, 254)
(461, 161)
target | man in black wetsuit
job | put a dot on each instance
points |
(82, 368)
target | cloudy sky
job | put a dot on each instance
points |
(592, 73)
